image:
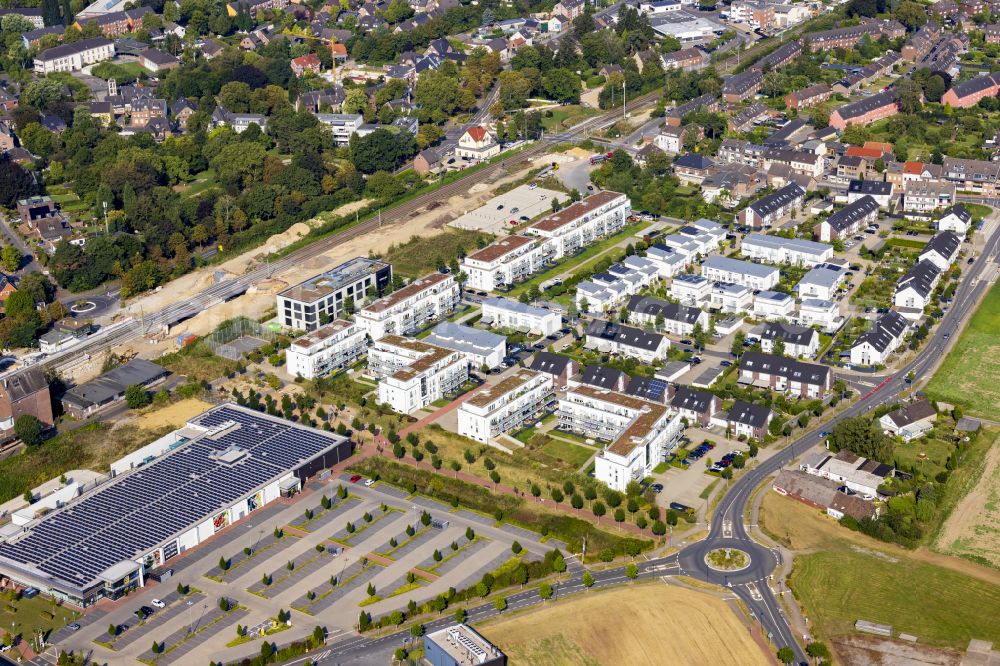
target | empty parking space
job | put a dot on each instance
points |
(522, 202)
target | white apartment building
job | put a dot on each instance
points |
(328, 348)
(608, 290)
(412, 374)
(577, 226)
(729, 297)
(305, 306)
(504, 407)
(507, 313)
(75, 56)
(798, 340)
(480, 348)
(921, 198)
(342, 125)
(409, 309)
(822, 281)
(691, 289)
(639, 433)
(956, 219)
(668, 260)
(507, 261)
(753, 276)
(773, 305)
(818, 312)
(778, 250)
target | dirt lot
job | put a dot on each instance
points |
(666, 625)
(174, 415)
(974, 526)
(875, 651)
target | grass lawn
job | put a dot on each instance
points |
(926, 454)
(968, 376)
(565, 117)
(841, 576)
(977, 210)
(424, 254)
(904, 243)
(30, 615)
(572, 454)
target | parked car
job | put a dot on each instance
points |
(677, 506)
(657, 488)
(73, 626)
(369, 482)
(499, 206)
(355, 478)
(156, 603)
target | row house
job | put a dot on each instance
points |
(788, 375)
(900, 173)
(743, 86)
(791, 251)
(413, 374)
(116, 24)
(921, 198)
(744, 120)
(753, 276)
(566, 232)
(504, 262)
(968, 93)
(915, 288)
(802, 162)
(676, 115)
(866, 110)
(738, 151)
(626, 341)
(848, 221)
(506, 406)
(768, 210)
(806, 97)
(799, 341)
(255, 6)
(921, 42)
(693, 405)
(689, 59)
(957, 219)
(842, 38)
(749, 420)
(407, 310)
(670, 317)
(942, 250)
(874, 346)
(781, 56)
(975, 176)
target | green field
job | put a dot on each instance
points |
(939, 606)
(904, 243)
(565, 117)
(969, 375)
(572, 454)
(27, 616)
(422, 255)
(934, 452)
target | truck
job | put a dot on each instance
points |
(597, 159)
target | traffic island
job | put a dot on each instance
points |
(727, 559)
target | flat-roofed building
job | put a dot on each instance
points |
(412, 374)
(504, 262)
(773, 305)
(822, 281)
(690, 289)
(331, 347)
(638, 434)
(521, 317)
(748, 274)
(407, 310)
(778, 250)
(818, 312)
(506, 406)
(461, 645)
(582, 223)
(480, 348)
(305, 306)
(730, 297)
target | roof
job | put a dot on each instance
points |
(465, 339)
(158, 57)
(959, 211)
(338, 277)
(493, 392)
(921, 278)
(974, 86)
(795, 244)
(64, 50)
(737, 266)
(944, 243)
(773, 202)
(409, 291)
(477, 133)
(888, 327)
(872, 187)
(694, 161)
(768, 295)
(624, 335)
(850, 214)
(113, 383)
(911, 413)
(551, 363)
(656, 307)
(817, 490)
(867, 104)
(501, 248)
(823, 275)
(783, 366)
(789, 333)
(604, 377)
(692, 399)
(23, 384)
(755, 416)
(314, 338)
(742, 83)
(577, 210)
(140, 510)
(647, 388)
(648, 413)
(517, 306)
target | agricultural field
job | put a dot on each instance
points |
(666, 625)
(973, 528)
(842, 576)
(968, 376)
(424, 254)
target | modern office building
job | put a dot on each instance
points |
(407, 310)
(506, 406)
(328, 348)
(461, 645)
(305, 306)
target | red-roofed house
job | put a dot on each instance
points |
(307, 63)
(867, 153)
(339, 51)
(477, 144)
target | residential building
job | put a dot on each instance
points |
(779, 250)
(75, 56)
(507, 313)
(506, 406)
(342, 125)
(737, 151)
(729, 184)
(25, 392)
(957, 218)
(861, 475)
(690, 289)
(669, 261)
(849, 220)
(975, 176)
(560, 367)
(566, 232)
(693, 405)
(608, 290)
(875, 345)
(689, 59)
(477, 144)
(773, 305)
(412, 374)
(326, 349)
(725, 269)
(308, 63)
(729, 297)
(914, 289)
(639, 434)
(158, 61)
(671, 138)
(818, 312)
(505, 262)
(748, 420)
(743, 86)
(602, 377)
(799, 341)
(305, 306)
(844, 38)
(480, 348)
(610, 338)
(853, 167)
(866, 110)
(781, 373)
(968, 93)
(822, 281)
(781, 56)
(676, 115)
(407, 310)
(85, 399)
(31, 14)
(807, 97)
(460, 645)
(768, 210)
(800, 162)
(942, 250)
(911, 421)
(666, 316)
(879, 190)
(692, 168)
(921, 198)
(822, 493)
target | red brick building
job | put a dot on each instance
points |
(26, 392)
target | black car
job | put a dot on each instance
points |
(566, 330)
(677, 506)
(657, 488)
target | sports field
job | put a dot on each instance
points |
(650, 623)
(841, 576)
(970, 375)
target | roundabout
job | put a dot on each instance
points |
(82, 306)
(727, 559)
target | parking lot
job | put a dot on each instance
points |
(519, 205)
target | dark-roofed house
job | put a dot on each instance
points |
(847, 221)
(604, 377)
(749, 420)
(914, 289)
(942, 249)
(25, 392)
(608, 337)
(676, 115)
(767, 210)
(742, 86)
(560, 367)
(822, 494)
(879, 190)
(426, 161)
(671, 317)
(798, 340)
(875, 345)
(87, 398)
(861, 475)
(692, 168)
(911, 421)
(158, 61)
(866, 110)
(968, 93)
(810, 96)
(780, 373)
(694, 405)
(957, 219)
(75, 56)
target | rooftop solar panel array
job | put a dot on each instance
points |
(140, 511)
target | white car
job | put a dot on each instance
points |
(369, 482)
(157, 603)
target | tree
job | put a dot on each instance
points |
(588, 579)
(911, 14)
(460, 616)
(599, 510)
(545, 591)
(737, 346)
(908, 93)
(778, 347)
(500, 604)
(136, 396)
(818, 650)
(355, 101)
(10, 257)
(786, 655)
(632, 571)
(699, 335)
(28, 429)
(861, 436)
(15, 182)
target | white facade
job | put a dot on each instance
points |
(74, 57)
(818, 312)
(691, 289)
(640, 434)
(304, 306)
(582, 223)
(668, 261)
(753, 276)
(316, 354)
(505, 406)
(480, 348)
(729, 297)
(477, 144)
(506, 313)
(953, 221)
(773, 305)
(777, 250)
(413, 374)
(342, 125)
(419, 303)
(506, 261)
(804, 348)
(822, 282)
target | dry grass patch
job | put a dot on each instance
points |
(174, 415)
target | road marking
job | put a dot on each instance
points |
(754, 592)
